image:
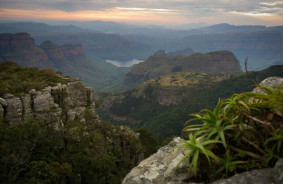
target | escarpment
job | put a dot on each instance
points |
(161, 64)
(52, 105)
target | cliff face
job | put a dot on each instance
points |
(161, 64)
(163, 104)
(20, 47)
(52, 105)
(16, 40)
(74, 135)
(105, 46)
(68, 59)
(72, 50)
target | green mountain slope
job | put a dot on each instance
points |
(162, 105)
(69, 59)
(162, 64)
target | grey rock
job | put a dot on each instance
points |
(260, 176)
(43, 101)
(27, 101)
(32, 92)
(76, 112)
(51, 117)
(159, 168)
(90, 97)
(77, 93)
(3, 102)
(269, 82)
(263, 176)
(278, 170)
(14, 109)
(52, 105)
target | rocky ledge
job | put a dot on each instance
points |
(159, 168)
(52, 105)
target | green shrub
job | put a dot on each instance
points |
(17, 80)
(242, 133)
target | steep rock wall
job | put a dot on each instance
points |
(52, 105)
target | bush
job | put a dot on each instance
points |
(18, 80)
(242, 133)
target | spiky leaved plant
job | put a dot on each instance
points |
(242, 133)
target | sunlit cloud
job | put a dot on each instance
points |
(147, 11)
(86, 15)
(271, 3)
(255, 14)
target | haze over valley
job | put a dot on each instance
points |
(95, 91)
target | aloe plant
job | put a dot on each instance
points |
(196, 148)
(244, 129)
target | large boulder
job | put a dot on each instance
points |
(269, 82)
(260, 176)
(159, 168)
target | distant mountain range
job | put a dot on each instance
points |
(102, 45)
(262, 45)
(68, 59)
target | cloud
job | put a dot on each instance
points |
(186, 10)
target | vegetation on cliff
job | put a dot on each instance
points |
(82, 149)
(183, 94)
(16, 80)
(241, 133)
(68, 59)
(89, 152)
(161, 64)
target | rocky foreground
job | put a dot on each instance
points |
(52, 105)
(159, 168)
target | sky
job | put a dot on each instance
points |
(159, 12)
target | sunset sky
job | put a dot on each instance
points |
(161, 12)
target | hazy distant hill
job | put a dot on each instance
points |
(262, 47)
(39, 28)
(69, 59)
(102, 45)
(162, 64)
(162, 105)
(226, 28)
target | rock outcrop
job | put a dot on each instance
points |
(161, 64)
(160, 167)
(269, 82)
(16, 40)
(21, 48)
(52, 105)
